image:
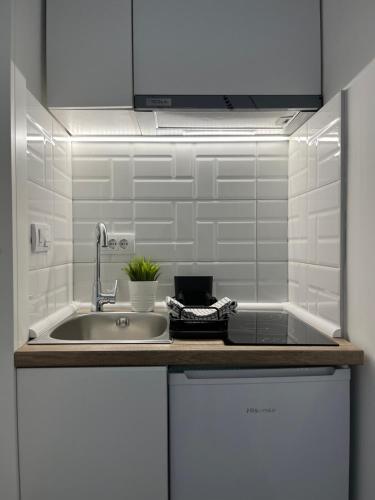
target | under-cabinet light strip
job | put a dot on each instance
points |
(125, 138)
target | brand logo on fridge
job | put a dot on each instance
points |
(260, 411)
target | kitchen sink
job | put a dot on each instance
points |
(109, 327)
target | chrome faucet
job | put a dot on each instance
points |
(98, 297)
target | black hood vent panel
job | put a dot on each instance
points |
(229, 102)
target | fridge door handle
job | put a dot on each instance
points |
(259, 373)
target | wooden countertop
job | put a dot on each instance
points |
(188, 353)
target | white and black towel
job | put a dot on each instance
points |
(217, 310)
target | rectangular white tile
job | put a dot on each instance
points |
(329, 225)
(227, 271)
(205, 241)
(312, 167)
(163, 189)
(231, 149)
(93, 189)
(84, 231)
(236, 189)
(272, 251)
(236, 252)
(40, 199)
(325, 198)
(272, 209)
(231, 168)
(104, 149)
(153, 166)
(272, 230)
(122, 227)
(164, 252)
(153, 210)
(328, 306)
(272, 272)
(244, 292)
(298, 183)
(297, 250)
(226, 210)
(184, 221)
(184, 251)
(328, 253)
(122, 179)
(329, 169)
(184, 159)
(155, 231)
(236, 231)
(325, 278)
(272, 149)
(272, 189)
(153, 149)
(102, 210)
(91, 168)
(205, 178)
(272, 292)
(36, 168)
(274, 168)
(62, 229)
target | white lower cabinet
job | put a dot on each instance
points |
(93, 433)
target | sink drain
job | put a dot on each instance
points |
(122, 322)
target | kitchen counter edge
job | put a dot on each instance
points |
(185, 353)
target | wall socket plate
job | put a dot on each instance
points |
(119, 243)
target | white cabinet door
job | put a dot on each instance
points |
(93, 433)
(258, 47)
(89, 53)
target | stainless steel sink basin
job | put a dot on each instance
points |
(109, 327)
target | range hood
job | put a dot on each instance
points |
(159, 123)
(220, 55)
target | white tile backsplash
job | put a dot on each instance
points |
(315, 213)
(193, 207)
(49, 200)
(205, 208)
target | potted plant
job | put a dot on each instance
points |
(143, 274)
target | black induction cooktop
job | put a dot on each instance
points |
(273, 328)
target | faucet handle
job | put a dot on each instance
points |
(115, 288)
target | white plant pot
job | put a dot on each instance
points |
(142, 295)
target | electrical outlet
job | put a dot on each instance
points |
(119, 244)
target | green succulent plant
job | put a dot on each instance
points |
(142, 269)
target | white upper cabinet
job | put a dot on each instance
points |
(89, 53)
(221, 47)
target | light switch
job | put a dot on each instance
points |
(40, 238)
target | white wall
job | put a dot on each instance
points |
(197, 208)
(348, 41)
(361, 276)
(49, 200)
(315, 213)
(29, 43)
(8, 449)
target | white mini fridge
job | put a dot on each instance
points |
(259, 434)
